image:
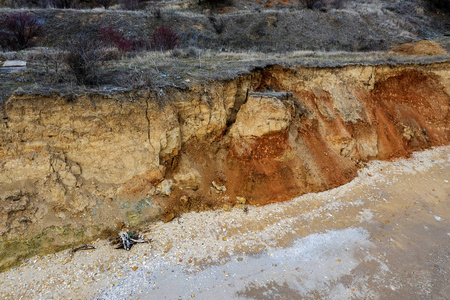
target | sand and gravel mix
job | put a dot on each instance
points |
(383, 235)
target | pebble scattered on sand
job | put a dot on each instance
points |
(195, 241)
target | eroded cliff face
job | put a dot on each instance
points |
(74, 169)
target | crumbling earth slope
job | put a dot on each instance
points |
(74, 169)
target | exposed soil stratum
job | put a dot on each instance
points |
(73, 169)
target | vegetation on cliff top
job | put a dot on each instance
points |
(207, 39)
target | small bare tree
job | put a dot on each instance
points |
(63, 3)
(164, 38)
(129, 4)
(83, 56)
(215, 4)
(312, 4)
(105, 3)
(443, 5)
(19, 31)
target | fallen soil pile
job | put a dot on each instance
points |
(420, 48)
(76, 168)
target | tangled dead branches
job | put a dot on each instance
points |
(126, 240)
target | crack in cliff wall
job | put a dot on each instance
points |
(149, 124)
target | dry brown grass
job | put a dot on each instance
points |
(180, 68)
(361, 26)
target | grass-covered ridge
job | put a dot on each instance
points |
(122, 47)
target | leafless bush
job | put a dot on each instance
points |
(63, 3)
(129, 4)
(111, 53)
(24, 3)
(215, 4)
(83, 57)
(442, 5)
(12, 55)
(164, 38)
(366, 44)
(259, 28)
(313, 4)
(137, 79)
(217, 23)
(404, 7)
(19, 31)
(187, 52)
(337, 4)
(52, 62)
(112, 37)
(105, 3)
(156, 12)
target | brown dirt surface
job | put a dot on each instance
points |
(424, 47)
(401, 102)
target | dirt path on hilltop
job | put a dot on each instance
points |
(385, 235)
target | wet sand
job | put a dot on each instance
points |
(384, 235)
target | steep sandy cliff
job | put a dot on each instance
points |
(74, 169)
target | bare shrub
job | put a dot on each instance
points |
(187, 52)
(53, 64)
(215, 4)
(442, 5)
(337, 4)
(112, 37)
(83, 57)
(111, 53)
(129, 4)
(217, 24)
(259, 28)
(19, 31)
(24, 3)
(313, 4)
(137, 79)
(156, 12)
(63, 3)
(366, 44)
(164, 38)
(105, 3)
(405, 7)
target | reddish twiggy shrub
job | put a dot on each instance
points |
(19, 31)
(164, 38)
(112, 37)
